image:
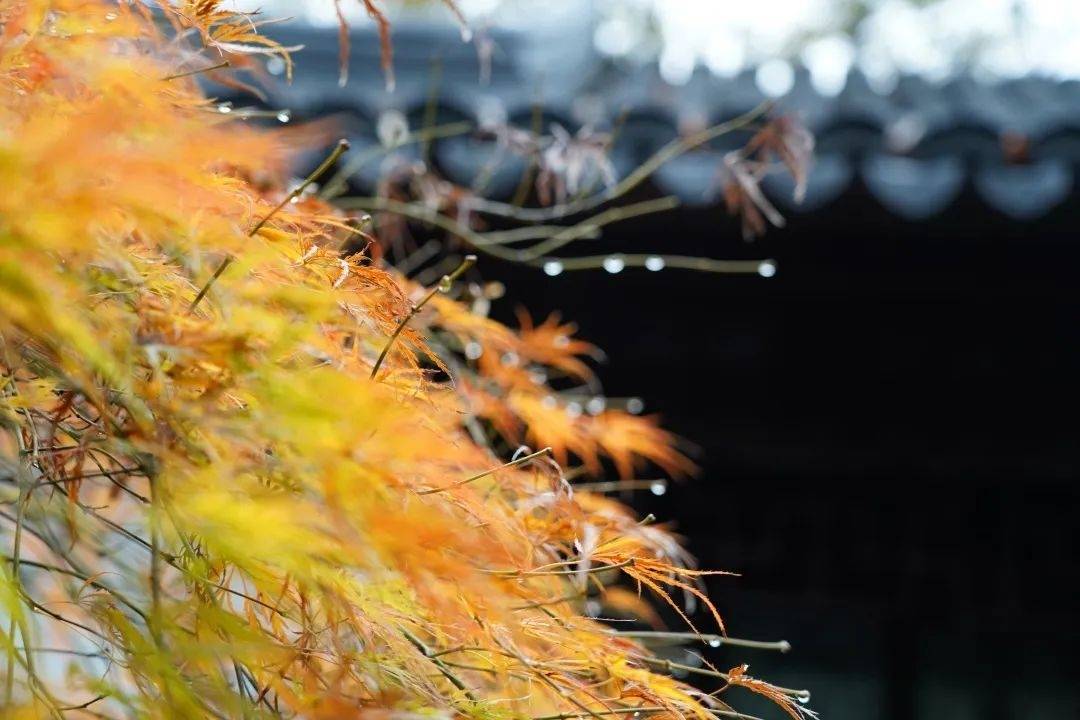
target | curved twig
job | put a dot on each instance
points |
(672, 150)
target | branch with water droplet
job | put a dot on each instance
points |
(444, 286)
(337, 184)
(617, 262)
(492, 471)
(649, 710)
(491, 244)
(656, 637)
(803, 696)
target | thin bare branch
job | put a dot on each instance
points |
(197, 71)
(479, 476)
(672, 150)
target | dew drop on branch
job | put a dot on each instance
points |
(275, 66)
(553, 267)
(614, 264)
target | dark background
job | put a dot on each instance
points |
(886, 431)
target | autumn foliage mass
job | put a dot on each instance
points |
(246, 467)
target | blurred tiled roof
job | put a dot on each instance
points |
(1017, 143)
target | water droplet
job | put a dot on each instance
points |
(284, 116)
(654, 263)
(510, 359)
(538, 377)
(573, 409)
(392, 127)
(634, 406)
(614, 264)
(553, 267)
(658, 488)
(561, 341)
(766, 268)
(803, 696)
(224, 108)
(775, 77)
(714, 642)
(596, 405)
(481, 306)
(592, 608)
(275, 66)
(110, 16)
(549, 402)
(473, 350)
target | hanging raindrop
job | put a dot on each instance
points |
(614, 264)
(275, 66)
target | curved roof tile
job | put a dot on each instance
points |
(915, 147)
